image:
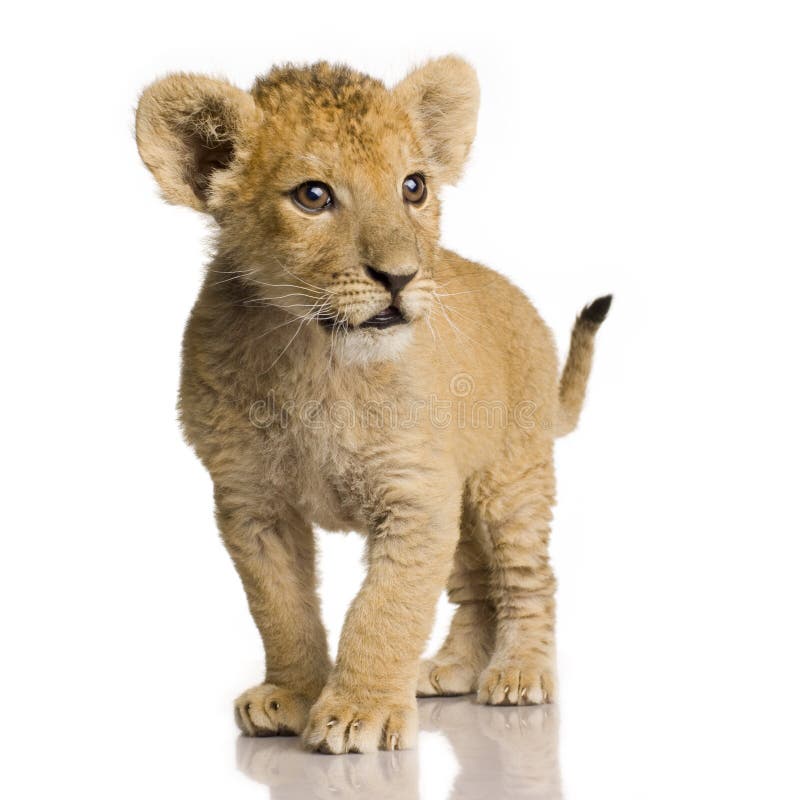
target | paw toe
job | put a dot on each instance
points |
(437, 679)
(510, 685)
(337, 725)
(269, 710)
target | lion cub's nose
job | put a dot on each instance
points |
(393, 281)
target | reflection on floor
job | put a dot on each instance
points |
(503, 753)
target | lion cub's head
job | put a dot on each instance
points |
(324, 182)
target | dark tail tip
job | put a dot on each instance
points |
(596, 311)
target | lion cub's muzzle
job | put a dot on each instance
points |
(394, 282)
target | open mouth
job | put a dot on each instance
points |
(385, 319)
(391, 315)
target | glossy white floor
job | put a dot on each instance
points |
(465, 751)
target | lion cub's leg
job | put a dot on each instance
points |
(469, 643)
(515, 502)
(273, 552)
(369, 701)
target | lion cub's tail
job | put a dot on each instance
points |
(575, 375)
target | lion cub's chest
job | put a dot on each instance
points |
(329, 429)
(326, 492)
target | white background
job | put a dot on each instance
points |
(649, 149)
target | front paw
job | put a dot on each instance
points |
(516, 683)
(341, 723)
(445, 678)
(270, 710)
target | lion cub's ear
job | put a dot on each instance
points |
(443, 95)
(188, 129)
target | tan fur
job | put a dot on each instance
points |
(299, 425)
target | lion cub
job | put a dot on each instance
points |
(341, 369)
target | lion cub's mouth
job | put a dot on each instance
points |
(391, 315)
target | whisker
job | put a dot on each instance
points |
(228, 271)
(305, 289)
(297, 305)
(455, 294)
(303, 322)
(452, 324)
(296, 277)
(437, 313)
(309, 315)
(471, 320)
(311, 292)
(236, 274)
(492, 280)
(261, 300)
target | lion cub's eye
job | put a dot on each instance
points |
(414, 190)
(313, 196)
